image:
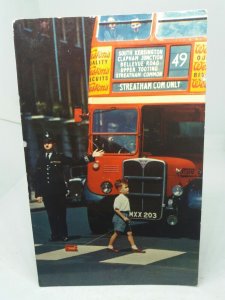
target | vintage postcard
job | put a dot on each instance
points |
(113, 115)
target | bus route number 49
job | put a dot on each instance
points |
(180, 59)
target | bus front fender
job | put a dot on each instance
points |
(90, 196)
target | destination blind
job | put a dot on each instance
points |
(151, 86)
(139, 63)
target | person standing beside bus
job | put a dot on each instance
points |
(50, 186)
(121, 217)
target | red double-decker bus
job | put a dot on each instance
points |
(146, 111)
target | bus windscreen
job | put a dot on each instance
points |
(114, 130)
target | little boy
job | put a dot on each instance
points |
(120, 218)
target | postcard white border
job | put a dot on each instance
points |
(18, 274)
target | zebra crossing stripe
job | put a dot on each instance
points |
(61, 253)
(151, 256)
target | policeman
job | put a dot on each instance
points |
(51, 188)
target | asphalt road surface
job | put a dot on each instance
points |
(168, 260)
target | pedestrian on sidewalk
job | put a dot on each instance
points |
(120, 219)
(50, 186)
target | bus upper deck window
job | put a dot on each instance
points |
(182, 24)
(121, 28)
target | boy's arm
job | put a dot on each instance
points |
(121, 215)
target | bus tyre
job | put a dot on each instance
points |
(99, 221)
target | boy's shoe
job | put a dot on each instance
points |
(65, 239)
(138, 250)
(113, 250)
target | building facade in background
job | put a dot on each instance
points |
(52, 57)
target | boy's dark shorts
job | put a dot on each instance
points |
(119, 224)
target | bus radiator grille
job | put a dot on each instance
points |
(147, 179)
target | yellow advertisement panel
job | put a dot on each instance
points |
(100, 71)
(198, 76)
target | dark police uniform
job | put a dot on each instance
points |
(50, 184)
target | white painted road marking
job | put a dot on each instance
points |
(151, 256)
(62, 253)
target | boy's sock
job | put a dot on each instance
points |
(134, 247)
(111, 248)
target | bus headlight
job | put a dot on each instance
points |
(95, 165)
(172, 220)
(177, 190)
(106, 187)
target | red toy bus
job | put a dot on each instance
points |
(146, 111)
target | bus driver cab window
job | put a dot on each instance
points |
(115, 131)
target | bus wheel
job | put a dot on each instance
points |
(100, 221)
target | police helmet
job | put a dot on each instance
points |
(48, 138)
